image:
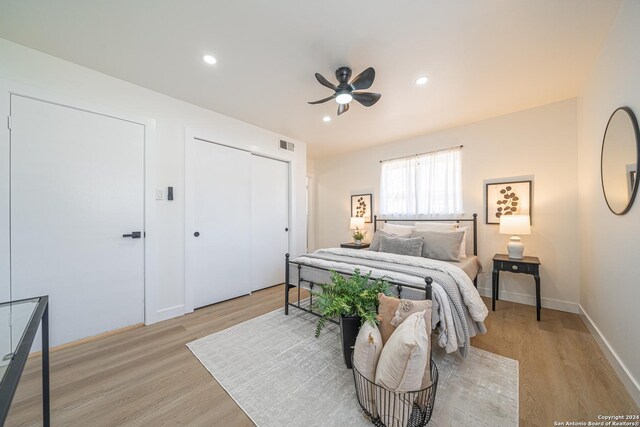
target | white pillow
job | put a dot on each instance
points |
(399, 230)
(367, 350)
(402, 366)
(463, 245)
(436, 226)
(365, 359)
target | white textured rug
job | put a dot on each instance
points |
(280, 375)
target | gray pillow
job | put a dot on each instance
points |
(375, 241)
(401, 245)
(444, 246)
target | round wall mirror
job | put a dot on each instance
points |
(619, 160)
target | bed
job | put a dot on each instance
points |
(458, 312)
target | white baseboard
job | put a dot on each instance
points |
(555, 304)
(632, 384)
(170, 313)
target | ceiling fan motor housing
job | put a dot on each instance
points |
(343, 74)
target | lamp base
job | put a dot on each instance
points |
(515, 248)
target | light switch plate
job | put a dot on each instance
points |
(159, 194)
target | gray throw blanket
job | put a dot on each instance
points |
(464, 326)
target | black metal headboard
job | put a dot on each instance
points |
(474, 220)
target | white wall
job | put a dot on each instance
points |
(610, 252)
(540, 142)
(166, 238)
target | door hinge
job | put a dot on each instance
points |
(9, 122)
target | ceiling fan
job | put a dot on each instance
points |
(345, 92)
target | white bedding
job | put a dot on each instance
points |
(450, 336)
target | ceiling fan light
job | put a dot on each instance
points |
(344, 98)
(209, 59)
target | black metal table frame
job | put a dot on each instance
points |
(11, 378)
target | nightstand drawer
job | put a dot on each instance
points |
(516, 267)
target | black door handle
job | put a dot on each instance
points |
(286, 229)
(134, 235)
(197, 233)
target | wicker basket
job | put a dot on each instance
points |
(386, 408)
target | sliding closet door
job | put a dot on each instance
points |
(222, 223)
(77, 186)
(269, 220)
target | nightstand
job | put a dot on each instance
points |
(527, 265)
(354, 246)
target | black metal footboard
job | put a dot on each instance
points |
(300, 281)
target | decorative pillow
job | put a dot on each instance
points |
(463, 245)
(401, 367)
(375, 241)
(365, 358)
(402, 246)
(443, 227)
(443, 246)
(399, 230)
(436, 226)
(367, 350)
(392, 312)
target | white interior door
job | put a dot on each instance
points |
(77, 185)
(222, 223)
(269, 220)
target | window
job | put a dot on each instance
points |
(426, 184)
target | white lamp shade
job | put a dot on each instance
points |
(357, 223)
(515, 224)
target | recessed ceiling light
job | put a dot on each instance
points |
(422, 80)
(209, 59)
(326, 119)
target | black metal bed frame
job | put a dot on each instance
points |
(301, 280)
(398, 286)
(474, 219)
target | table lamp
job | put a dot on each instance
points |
(356, 223)
(515, 225)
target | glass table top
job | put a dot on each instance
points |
(14, 319)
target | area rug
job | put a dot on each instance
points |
(280, 375)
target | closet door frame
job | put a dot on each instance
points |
(189, 200)
(8, 88)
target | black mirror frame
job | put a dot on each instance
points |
(636, 132)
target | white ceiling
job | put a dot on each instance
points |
(483, 57)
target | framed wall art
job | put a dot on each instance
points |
(362, 205)
(507, 198)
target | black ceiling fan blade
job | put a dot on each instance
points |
(366, 98)
(325, 82)
(328, 98)
(343, 108)
(364, 80)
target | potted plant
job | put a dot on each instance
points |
(358, 236)
(354, 300)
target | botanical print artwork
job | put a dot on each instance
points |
(508, 205)
(507, 198)
(361, 205)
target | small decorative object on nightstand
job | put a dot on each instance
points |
(515, 224)
(527, 265)
(354, 246)
(357, 224)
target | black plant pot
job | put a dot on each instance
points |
(349, 328)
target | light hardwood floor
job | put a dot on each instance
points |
(147, 376)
